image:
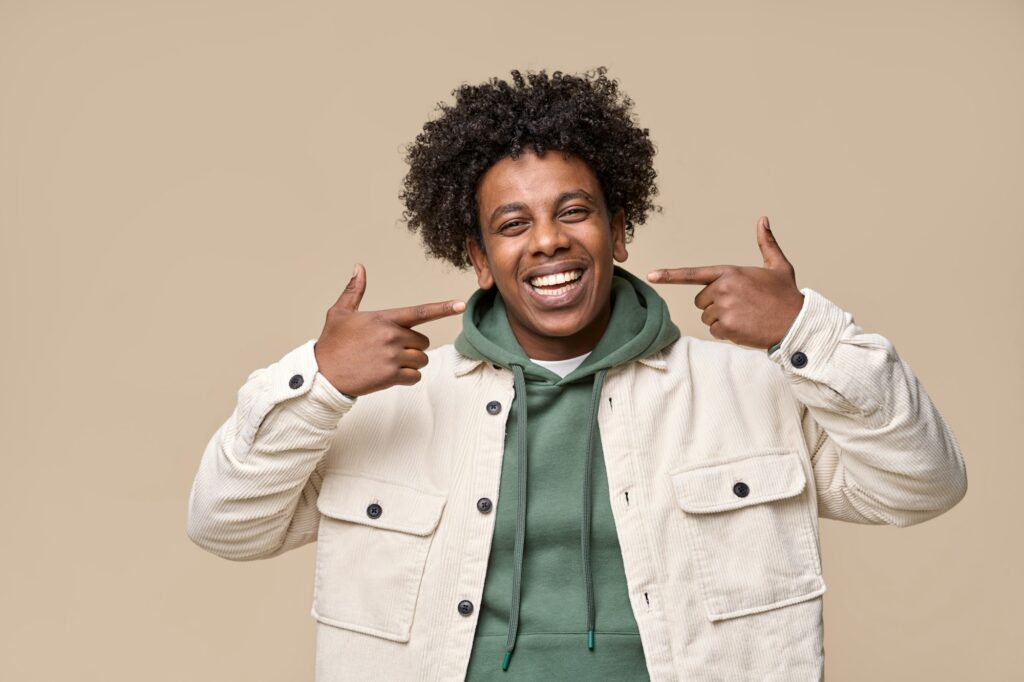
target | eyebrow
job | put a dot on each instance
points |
(562, 198)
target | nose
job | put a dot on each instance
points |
(547, 237)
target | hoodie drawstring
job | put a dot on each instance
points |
(513, 619)
(517, 573)
(595, 400)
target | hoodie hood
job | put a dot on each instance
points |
(639, 326)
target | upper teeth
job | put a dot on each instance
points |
(557, 278)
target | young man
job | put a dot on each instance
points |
(572, 482)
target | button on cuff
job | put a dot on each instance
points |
(813, 337)
(295, 380)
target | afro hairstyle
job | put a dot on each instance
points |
(583, 115)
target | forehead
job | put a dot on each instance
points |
(535, 179)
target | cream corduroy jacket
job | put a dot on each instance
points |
(725, 580)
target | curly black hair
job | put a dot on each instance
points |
(584, 115)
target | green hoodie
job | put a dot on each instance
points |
(542, 576)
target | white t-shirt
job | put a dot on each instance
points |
(561, 367)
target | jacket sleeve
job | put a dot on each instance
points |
(881, 451)
(254, 495)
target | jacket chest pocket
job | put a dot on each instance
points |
(752, 533)
(372, 548)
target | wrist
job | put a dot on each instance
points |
(796, 316)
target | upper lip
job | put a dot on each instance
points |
(553, 268)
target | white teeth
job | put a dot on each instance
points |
(557, 278)
(556, 292)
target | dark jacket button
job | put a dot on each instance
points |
(295, 381)
(374, 511)
(798, 359)
(484, 505)
(493, 407)
(465, 607)
(741, 489)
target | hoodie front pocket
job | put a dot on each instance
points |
(371, 552)
(752, 533)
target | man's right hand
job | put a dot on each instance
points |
(365, 351)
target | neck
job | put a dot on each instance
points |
(563, 347)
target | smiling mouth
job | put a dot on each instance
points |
(556, 284)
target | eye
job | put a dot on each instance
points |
(576, 210)
(512, 224)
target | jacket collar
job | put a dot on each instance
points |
(657, 360)
(464, 365)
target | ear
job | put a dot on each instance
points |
(619, 252)
(484, 278)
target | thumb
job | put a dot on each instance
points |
(770, 249)
(353, 294)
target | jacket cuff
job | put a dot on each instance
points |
(297, 374)
(812, 338)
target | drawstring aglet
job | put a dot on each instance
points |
(504, 664)
(590, 639)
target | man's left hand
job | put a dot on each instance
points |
(747, 305)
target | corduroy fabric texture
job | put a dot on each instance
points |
(724, 580)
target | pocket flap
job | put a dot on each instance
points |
(713, 487)
(400, 508)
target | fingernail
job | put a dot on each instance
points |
(654, 276)
(459, 306)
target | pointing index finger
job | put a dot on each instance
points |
(704, 274)
(427, 312)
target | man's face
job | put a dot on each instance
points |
(548, 247)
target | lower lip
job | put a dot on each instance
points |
(563, 299)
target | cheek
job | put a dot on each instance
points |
(503, 263)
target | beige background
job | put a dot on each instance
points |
(184, 188)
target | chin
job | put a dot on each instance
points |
(558, 330)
